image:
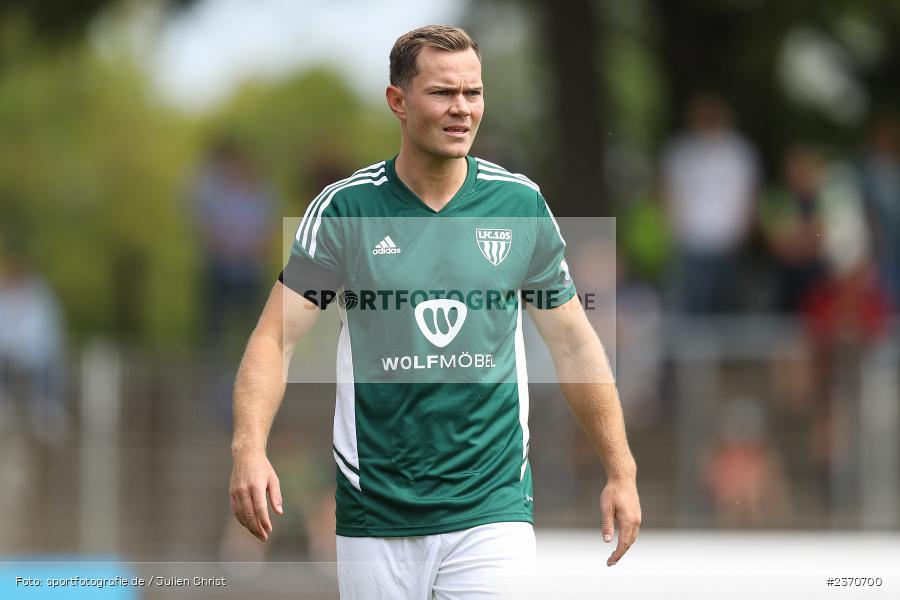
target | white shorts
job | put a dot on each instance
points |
(488, 561)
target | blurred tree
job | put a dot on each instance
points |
(535, 54)
(95, 173)
(614, 66)
(288, 125)
(739, 48)
(94, 168)
(52, 20)
(90, 172)
(573, 54)
(58, 22)
(303, 133)
(578, 85)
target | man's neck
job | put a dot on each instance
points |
(433, 180)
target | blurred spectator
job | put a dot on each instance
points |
(31, 341)
(744, 475)
(709, 178)
(32, 408)
(791, 223)
(880, 176)
(848, 307)
(233, 214)
(844, 313)
(847, 310)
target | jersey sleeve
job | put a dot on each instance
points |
(548, 283)
(315, 268)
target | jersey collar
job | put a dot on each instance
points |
(407, 195)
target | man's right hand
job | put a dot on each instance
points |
(251, 477)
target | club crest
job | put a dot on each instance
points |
(494, 243)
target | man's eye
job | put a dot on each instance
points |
(441, 92)
(474, 92)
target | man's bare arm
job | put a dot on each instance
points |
(258, 392)
(590, 391)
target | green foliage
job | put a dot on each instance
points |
(56, 22)
(289, 126)
(634, 86)
(644, 239)
(88, 178)
(95, 174)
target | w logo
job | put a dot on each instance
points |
(440, 320)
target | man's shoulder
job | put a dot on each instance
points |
(361, 182)
(493, 175)
(374, 173)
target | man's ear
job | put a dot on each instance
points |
(396, 100)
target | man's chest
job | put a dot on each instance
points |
(462, 253)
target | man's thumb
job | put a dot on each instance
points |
(607, 528)
(275, 495)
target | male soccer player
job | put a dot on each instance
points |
(441, 251)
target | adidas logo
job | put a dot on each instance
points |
(386, 246)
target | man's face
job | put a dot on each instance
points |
(444, 103)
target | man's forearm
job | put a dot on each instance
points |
(587, 384)
(258, 391)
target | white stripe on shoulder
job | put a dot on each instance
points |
(489, 163)
(303, 229)
(489, 167)
(483, 169)
(494, 172)
(509, 178)
(324, 205)
(311, 209)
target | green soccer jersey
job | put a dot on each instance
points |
(431, 414)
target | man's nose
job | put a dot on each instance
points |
(460, 105)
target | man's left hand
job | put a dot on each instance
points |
(619, 502)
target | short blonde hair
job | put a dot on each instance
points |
(407, 47)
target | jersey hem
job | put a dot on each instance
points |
(567, 294)
(433, 529)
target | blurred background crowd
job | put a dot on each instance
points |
(749, 151)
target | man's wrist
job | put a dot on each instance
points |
(243, 447)
(625, 474)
